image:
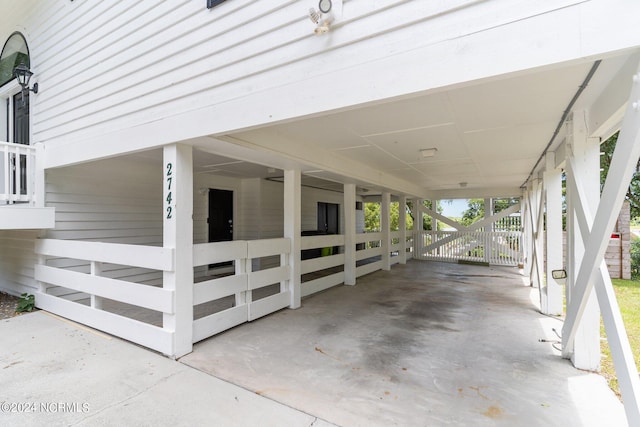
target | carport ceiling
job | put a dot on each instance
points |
(487, 134)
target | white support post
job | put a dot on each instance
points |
(552, 292)
(534, 218)
(526, 234)
(292, 231)
(539, 235)
(488, 213)
(177, 212)
(349, 234)
(418, 237)
(402, 226)
(585, 151)
(419, 214)
(434, 221)
(488, 209)
(385, 229)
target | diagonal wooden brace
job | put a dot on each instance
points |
(592, 270)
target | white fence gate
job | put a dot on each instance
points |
(223, 302)
(491, 247)
(495, 239)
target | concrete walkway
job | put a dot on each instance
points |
(57, 373)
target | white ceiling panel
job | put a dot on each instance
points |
(508, 143)
(517, 100)
(451, 167)
(506, 167)
(406, 145)
(488, 133)
(373, 157)
(406, 114)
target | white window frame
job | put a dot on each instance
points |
(6, 117)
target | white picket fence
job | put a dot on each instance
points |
(496, 248)
(17, 164)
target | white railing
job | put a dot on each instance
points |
(17, 165)
(74, 286)
(240, 285)
(329, 259)
(497, 248)
(372, 249)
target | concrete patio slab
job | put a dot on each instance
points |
(427, 344)
(54, 372)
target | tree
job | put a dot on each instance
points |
(372, 217)
(475, 208)
(474, 212)
(633, 192)
(426, 219)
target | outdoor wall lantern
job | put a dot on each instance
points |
(23, 75)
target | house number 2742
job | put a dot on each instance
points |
(169, 199)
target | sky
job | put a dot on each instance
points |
(455, 208)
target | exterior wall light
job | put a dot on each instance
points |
(325, 6)
(321, 18)
(23, 75)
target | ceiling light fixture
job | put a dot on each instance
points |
(428, 152)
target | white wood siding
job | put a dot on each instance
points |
(117, 200)
(248, 213)
(271, 210)
(107, 67)
(17, 261)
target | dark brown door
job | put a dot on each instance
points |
(328, 218)
(220, 218)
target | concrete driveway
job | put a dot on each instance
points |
(426, 344)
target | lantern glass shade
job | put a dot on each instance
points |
(23, 75)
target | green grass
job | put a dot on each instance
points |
(628, 295)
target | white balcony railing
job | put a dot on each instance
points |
(17, 167)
